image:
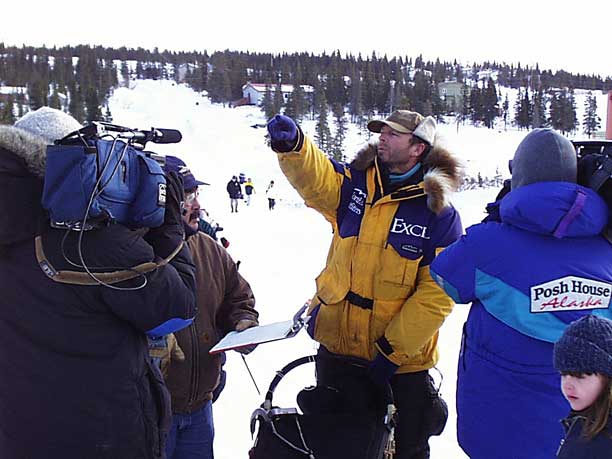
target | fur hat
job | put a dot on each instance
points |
(48, 123)
(408, 122)
(544, 155)
(585, 347)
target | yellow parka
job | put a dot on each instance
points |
(376, 293)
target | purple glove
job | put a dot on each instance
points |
(283, 133)
(381, 369)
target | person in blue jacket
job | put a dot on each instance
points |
(583, 356)
(541, 265)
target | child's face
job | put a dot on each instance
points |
(582, 390)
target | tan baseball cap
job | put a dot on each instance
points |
(407, 122)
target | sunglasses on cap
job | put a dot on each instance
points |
(190, 197)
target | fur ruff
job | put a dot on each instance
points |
(31, 148)
(443, 173)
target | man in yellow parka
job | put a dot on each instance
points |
(375, 299)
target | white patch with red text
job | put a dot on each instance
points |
(569, 294)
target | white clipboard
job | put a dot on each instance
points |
(262, 333)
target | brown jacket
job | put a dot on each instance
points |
(223, 299)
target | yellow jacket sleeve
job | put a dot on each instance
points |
(315, 178)
(419, 319)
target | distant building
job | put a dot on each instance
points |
(253, 93)
(8, 91)
(451, 93)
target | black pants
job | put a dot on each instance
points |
(411, 394)
(271, 203)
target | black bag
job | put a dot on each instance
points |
(285, 434)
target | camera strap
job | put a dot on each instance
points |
(602, 173)
(113, 277)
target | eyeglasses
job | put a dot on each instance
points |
(190, 197)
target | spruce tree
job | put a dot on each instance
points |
(7, 115)
(108, 116)
(125, 73)
(355, 103)
(506, 111)
(92, 105)
(322, 133)
(75, 106)
(277, 100)
(54, 100)
(267, 105)
(523, 110)
(490, 108)
(538, 119)
(571, 119)
(337, 147)
(591, 121)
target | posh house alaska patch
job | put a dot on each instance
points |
(569, 294)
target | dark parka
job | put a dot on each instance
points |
(224, 299)
(234, 189)
(75, 380)
(575, 446)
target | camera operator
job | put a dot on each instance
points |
(76, 379)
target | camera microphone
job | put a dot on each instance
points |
(166, 135)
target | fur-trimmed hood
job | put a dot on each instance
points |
(22, 169)
(31, 148)
(443, 172)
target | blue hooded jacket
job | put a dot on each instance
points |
(528, 276)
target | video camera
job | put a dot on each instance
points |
(102, 174)
(595, 167)
(594, 163)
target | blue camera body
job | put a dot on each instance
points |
(100, 180)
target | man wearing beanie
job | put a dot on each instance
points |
(376, 301)
(76, 380)
(583, 356)
(528, 275)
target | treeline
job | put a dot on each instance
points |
(80, 79)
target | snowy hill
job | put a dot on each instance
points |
(282, 251)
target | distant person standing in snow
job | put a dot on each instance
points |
(535, 266)
(271, 195)
(376, 301)
(249, 189)
(225, 303)
(235, 192)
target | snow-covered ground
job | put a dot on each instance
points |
(282, 251)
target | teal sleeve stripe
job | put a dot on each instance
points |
(513, 308)
(447, 287)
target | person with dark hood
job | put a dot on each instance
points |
(375, 300)
(225, 303)
(234, 190)
(76, 378)
(528, 274)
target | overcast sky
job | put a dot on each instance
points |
(577, 38)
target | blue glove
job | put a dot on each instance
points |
(283, 132)
(381, 369)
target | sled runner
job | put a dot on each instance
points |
(324, 430)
